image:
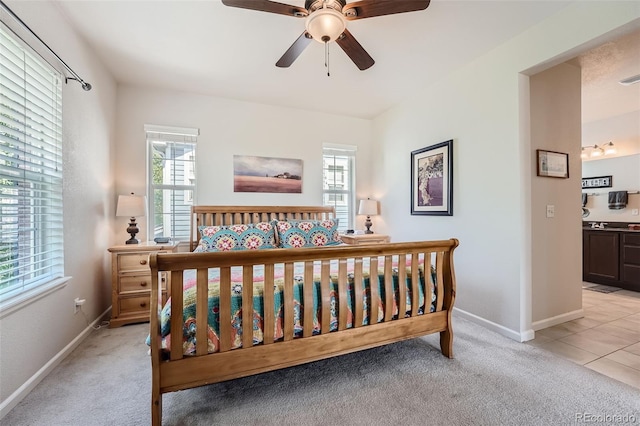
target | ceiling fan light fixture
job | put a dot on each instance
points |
(631, 80)
(325, 25)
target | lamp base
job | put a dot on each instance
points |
(367, 224)
(132, 230)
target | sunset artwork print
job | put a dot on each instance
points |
(267, 174)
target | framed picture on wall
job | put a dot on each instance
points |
(552, 164)
(266, 174)
(597, 182)
(432, 180)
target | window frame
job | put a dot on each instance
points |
(33, 144)
(175, 136)
(349, 193)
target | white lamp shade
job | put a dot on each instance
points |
(132, 205)
(368, 207)
(325, 23)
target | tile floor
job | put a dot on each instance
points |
(606, 340)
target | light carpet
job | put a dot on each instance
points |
(491, 381)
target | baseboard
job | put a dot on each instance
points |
(20, 393)
(558, 319)
(500, 329)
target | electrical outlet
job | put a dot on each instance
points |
(551, 210)
(77, 304)
(634, 212)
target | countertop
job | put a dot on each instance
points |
(611, 229)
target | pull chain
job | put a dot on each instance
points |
(326, 58)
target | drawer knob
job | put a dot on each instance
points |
(143, 304)
(143, 284)
(143, 262)
(163, 279)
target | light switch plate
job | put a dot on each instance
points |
(551, 210)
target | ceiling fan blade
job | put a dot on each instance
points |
(267, 6)
(294, 51)
(370, 8)
(355, 51)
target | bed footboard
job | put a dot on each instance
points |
(430, 261)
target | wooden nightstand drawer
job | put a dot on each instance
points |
(133, 262)
(134, 305)
(135, 283)
(139, 283)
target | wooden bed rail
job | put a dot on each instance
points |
(228, 215)
(176, 371)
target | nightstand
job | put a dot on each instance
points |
(131, 281)
(361, 239)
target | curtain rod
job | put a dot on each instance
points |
(86, 86)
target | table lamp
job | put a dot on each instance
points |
(370, 208)
(132, 206)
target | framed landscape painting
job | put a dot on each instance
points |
(266, 174)
(432, 180)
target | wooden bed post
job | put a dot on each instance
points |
(156, 344)
(446, 336)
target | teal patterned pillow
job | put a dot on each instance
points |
(254, 236)
(307, 233)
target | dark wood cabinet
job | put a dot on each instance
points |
(611, 258)
(601, 257)
(630, 257)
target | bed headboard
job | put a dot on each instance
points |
(231, 215)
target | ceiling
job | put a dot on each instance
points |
(602, 69)
(208, 48)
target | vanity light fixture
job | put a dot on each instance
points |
(597, 151)
(609, 149)
(583, 153)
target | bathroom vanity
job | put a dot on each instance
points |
(611, 255)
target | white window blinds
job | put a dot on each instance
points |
(31, 234)
(172, 180)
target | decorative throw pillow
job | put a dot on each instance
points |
(307, 233)
(253, 236)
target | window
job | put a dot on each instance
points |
(172, 180)
(31, 235)
(338, 179)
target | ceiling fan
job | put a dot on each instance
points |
(326, 22)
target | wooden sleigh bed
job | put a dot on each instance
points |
(353, 309)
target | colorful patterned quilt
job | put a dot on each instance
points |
(213, 329)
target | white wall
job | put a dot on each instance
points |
(484, 108)
(555, 125)
(626, 177)
(229, 127)
(35, 335)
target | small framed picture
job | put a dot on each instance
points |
(432, 180)
(597, 182)
(552, 164)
